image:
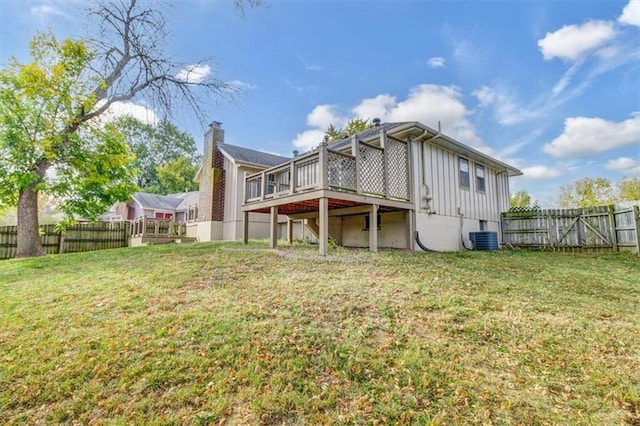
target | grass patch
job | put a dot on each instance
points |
(201, 334)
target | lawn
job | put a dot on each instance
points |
(212, 333)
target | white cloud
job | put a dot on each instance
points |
(505, 107)
(324, 115)
(426, 103)
(318, 119)
(631, 13)
(378, 107)
(608, 52)
(572, 41)
(242, 85)
(540, 172)
(436, 62)
(486, 95)
(566, 78)
(309, 139)
(309, 66)
(140, 112)
(194, 73)
(430, 104)
(625, 165)
(47, 10)
(584, 136)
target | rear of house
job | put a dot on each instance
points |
(395, 185)
(378, 187)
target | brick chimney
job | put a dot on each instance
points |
(211, 196)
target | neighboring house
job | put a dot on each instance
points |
(177, 207)
(380, 186)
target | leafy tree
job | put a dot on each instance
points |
(46, 144)
(50, 136)
(156, 146)
(629, 189)
(177, 176)
(587, 192)
(353, 126)
(521, 199)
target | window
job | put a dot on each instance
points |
(484, 225)
(463, 164)
(480, 177)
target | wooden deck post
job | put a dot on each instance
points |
(355, 151)
(290, 231)
(273, 228)
(373, 228)
(245, 228)
(263, 189)
(409, 225)
(293, 181)
(324, 226)
(323, 163)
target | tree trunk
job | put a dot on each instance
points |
(29, 244)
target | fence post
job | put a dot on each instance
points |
(612, 221)
(636, 221)
(61, 242)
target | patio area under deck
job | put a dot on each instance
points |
(357, 179)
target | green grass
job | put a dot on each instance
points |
(196, 334)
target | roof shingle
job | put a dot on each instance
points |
(251, 156)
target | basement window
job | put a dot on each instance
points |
(480, 178)
(366, 222)
(463, 165)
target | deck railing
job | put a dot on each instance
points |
(362, 168)
(151, 227)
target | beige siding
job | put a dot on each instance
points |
(234, 198)
(231, 190)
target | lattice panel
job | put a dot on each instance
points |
(371, 170)
(342, 170)
(398, 179)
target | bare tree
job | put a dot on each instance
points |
(130, 61)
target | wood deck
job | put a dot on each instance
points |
(357, 178)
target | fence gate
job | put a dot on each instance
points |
(601, 228)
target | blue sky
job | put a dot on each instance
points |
(551, 87)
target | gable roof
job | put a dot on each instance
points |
(187, 199)
(162, 202)
(251, 156)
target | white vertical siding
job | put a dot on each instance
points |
(440, 174)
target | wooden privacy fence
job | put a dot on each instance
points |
(76, 238)
(601, 228)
